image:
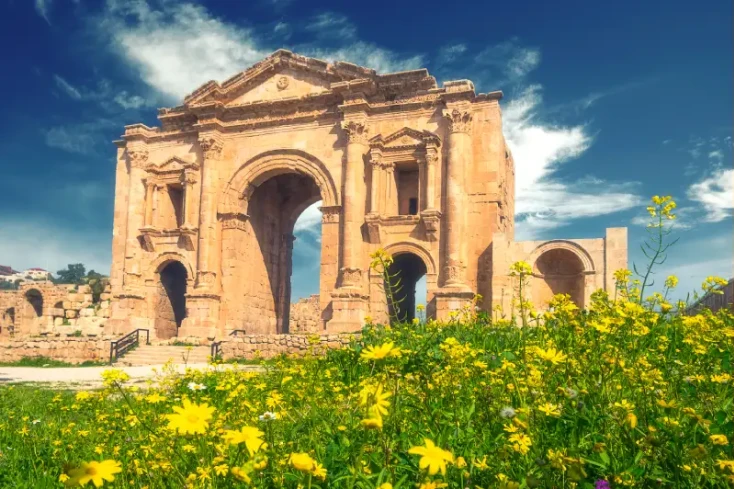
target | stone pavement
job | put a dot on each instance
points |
(90, 377)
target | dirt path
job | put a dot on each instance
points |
(90, 377)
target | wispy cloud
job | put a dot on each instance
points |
(177, 47)
(67, 88)
(715, 193)
(42, 8)
(83, 138)
(450, 53)
(509, 58)
(331, 25)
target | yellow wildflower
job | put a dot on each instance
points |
(432, 457)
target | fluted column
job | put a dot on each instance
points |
(430, 180)
(188, 185)
(376, 168)
(352, 211)
(459, 159)
(211, 149)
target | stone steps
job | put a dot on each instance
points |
(160, 354)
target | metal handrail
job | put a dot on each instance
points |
(126, 343)
(215, 347)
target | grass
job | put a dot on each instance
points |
(49, 363)
(617, 394)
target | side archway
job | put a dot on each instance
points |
(560, 267)
(159, 262)
(170, 298)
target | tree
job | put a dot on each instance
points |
(8, 285)
(97, 283)
(72, 274)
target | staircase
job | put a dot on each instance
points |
(160, 354)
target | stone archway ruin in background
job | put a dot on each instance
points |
(262, 203)
(170, 307)
(8, 320)
(558, 270)
(408, 268)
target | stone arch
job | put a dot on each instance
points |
(560, 267)
(160, 262)
(271, 163)
(574, 248)
(170, 300)
(34, 298)
(416, 249)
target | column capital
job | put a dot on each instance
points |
(357, 131)
(211, 145)
(138, 157)
(459, 120)
(431, 155)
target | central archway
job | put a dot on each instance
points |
(263, 200)
(408, 269)
(171, 304)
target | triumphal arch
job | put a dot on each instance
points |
(205, 204)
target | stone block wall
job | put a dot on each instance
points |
(306, 316)
(268, 346)
(67, 349)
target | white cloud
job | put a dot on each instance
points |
(53, 247)
(42, 8)
(177, 47)
(127, 101)
(538, 148)
(78, 138)
(450, 53)
(70, 90)
(715, 193)
(716, 156)
(332, 25)
(511, 59)
(310, 221)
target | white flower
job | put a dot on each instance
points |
(193, 386)
(36, 421)
(507, 412)
(268, 416)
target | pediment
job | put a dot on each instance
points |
(405, 138)
(279, 76)
(172, 165)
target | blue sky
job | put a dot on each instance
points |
(605, 105)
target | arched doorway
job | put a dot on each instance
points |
(275, 206)
(8, 320)
(171, 304)
(35, 300)
(558, 271)
(408, 270)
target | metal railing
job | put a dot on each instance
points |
(215, 348)
(127, 343)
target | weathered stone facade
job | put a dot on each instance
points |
(38, 308)
(205, 205)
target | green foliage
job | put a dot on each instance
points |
(48, 363)
(7, 285)
(72, 274)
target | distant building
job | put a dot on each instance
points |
(6, 272)
(36, 273)
(724, 299)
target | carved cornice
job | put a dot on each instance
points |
(211, 146)
(459, 120)
(356, 130)
(330, 214)
(351, 277)
(234, 220)
(137, 157)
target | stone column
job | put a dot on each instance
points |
(206, 276)
(430, 179)
(352, 211)
(149, 189)
(375, 201)
(203, 303)
(459, 159)
(188, 187)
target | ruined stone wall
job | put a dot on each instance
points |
(268, 346)
(67, 349)
(306, 316)
(717, 301)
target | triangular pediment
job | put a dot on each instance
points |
(405, 138)
(172, 165)
(279, 76)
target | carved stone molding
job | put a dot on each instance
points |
(432, 222)
(211, 146)
(330, 214)
(459, 120)
(356, 130)
(138, 157)
(205, 279)
(351, 277)
(431, 155)
(454, 274)
(234, 220)
(373, 227)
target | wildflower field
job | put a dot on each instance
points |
(625, 393)
(614, 396)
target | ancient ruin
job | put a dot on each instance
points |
(205, 204)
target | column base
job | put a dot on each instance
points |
(349, 308)
(450, 299)
(202, 316)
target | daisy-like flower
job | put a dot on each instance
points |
(193, 386)
(551, 355)
(385, 350)
(268, 416)
(191, 418)
(251, 437)
(302, 461)
(432, 457)
(95, 472)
